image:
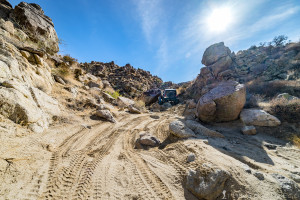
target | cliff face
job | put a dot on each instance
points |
(129, 81)
(255, 64)
(27, 38)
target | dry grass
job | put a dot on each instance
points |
(273, 88)
(285, 110)
(295, 140)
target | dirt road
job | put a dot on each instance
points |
(71, 161)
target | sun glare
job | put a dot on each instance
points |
(219, 19)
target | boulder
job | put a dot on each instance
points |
(222, 103)
(191, 157)
(31, 17)
(206, 182)
(146, 140)
(289, 188)
(214, 53)
(257, 117)
(202, 130)
(108, 98)
(286, 96)
(179, 129)
(106, 114)
(124, 102)
(133, 110)
(151, 96)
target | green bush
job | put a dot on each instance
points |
(114, 94)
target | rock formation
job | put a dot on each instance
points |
(130, 82)
(25, 76)
(264, 63)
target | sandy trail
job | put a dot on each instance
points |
(74, 162)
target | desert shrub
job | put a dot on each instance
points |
(114, 94)
(68, 58)
(273, 88)
(253, 47)
(285, 110)
(295, 140)
(280, 40)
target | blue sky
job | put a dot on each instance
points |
(166, 37)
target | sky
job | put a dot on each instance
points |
(166, 37)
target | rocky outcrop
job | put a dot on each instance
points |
(222, 103)
(26, 37)
(27, 105)
(206, 182)
(5, 9)
(130, 82)
(264, 63)
(258, 117)
(217, 58)
(39, 27)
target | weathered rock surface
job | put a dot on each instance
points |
(39, 26)
(124, 102)
(202, 130)
(5, 9)
(27, 105)
(289, 188)
(258, 117)
(106, 114)
(223, 103)
(179, 129)
(249, 130)
(133, 110)
(207, 183)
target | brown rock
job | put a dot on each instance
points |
(222, 103)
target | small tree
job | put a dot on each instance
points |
(279, 40)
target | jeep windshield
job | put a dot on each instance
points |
(170, 93)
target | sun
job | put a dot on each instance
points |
(220, 19)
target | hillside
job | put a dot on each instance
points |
(74, 130)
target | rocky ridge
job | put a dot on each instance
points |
(261, 64)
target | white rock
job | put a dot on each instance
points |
(258, 117)
(179, 129)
